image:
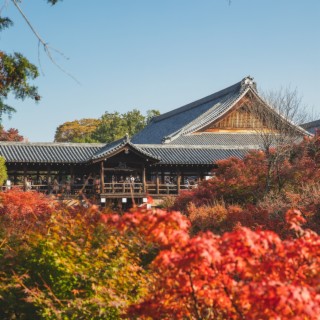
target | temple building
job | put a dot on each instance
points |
(312, 127)
(173, 152)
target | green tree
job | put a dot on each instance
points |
(77, 131)
(3, 170)
(151, 114)
(114, 126)
(16, 71)
(134, 121)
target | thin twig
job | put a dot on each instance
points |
(46, 47)
(194, 297)
(238, 311)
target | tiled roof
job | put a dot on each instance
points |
(83, 153)
(194, 115)
(168, 139)
(192, 155)
(112, 147)
(311, 126)
(218, 139)
(105, 149)
(48, 152)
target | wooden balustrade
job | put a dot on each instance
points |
(116, 188)
(138, 188)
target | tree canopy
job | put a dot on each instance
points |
(77, 130)
(109, 127)
(16, 72)
(10, 135)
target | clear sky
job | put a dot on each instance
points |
(159, 54)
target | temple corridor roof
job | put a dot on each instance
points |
(38, 152)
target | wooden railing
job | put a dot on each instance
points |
(49, 189)
(117, 188)
(124, 188)
(139, 188)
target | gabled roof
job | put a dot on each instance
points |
(192, 155)
(193, 116)
(173, 138)
(311, 126)
(117, 146)
(39, 152)
(230, 140)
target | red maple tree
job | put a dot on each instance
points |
(10, 135)
(244, 274)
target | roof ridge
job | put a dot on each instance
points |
(117, 144)
(195, 103)
(52, 144)
(242, 85)
(211, 147)
(310, 124)
(191, 126)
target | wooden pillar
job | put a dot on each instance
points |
(24, 172)
(178, 181)
(15, 178)
(48, 180)
(24, 177)
(48, 173)
(157, 183)
(144, 178)
(72, 174)
(60, 173)
(200, 177)
(102, 176)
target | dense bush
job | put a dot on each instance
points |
(240, 275)
(62, 263)
(85, 264)
(240, 185)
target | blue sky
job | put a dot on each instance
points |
(159, 54)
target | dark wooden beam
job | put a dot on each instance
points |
(102, 176)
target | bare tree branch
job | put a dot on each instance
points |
(47, 49)
(278, 115)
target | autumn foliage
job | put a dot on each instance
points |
(236, 252)
(238, 190)
(84, 263)
(65, 263)
(10, 135)
(21, 210)
(244, 274)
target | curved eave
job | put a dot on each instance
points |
(122, 147)
(43, 153)
(203, 122)
(195, 155)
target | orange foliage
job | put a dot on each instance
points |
(241, 185)
(10, 135)
(240, 275)
(207, 217)
(23, 210)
